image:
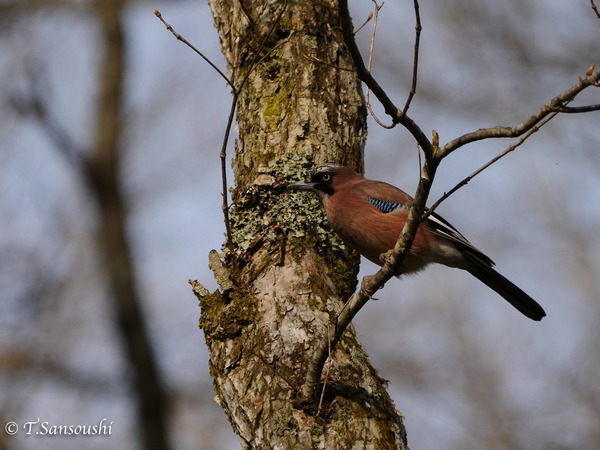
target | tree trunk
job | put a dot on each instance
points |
(288, 276)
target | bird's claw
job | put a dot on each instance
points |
(385, 261)
(364, 288)
(385, 256)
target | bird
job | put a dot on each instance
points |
(369, 216)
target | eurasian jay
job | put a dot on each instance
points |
(369, 216)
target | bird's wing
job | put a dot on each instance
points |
(444, 229)
(385, 194)
(387, 198)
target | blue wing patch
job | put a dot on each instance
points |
(385, 206)
(441, 227)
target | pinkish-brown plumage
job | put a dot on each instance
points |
(369, 216)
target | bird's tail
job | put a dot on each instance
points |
(511, 293)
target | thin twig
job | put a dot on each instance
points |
(363, 73)
(556, 104)
(595, 9)
(377, 8)
(578, 109)
(486, 133)
(465, 181)
(182, 39)
(223, 153)
(558, 109)
(413, 85)
(328, 367)
(364, 24)
(257, 60)
(223, 157)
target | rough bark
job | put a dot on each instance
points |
(293, 274)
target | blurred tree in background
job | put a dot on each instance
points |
(489, 379)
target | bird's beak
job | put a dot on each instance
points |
(301, 186)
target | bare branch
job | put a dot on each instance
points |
(433, 156)
(404, 242)
(398, 116)
(368, 100)
(579, 109)
(595, 8)
(362, 72)
(223, 157)
(465, 181)
(182, 39)
(413, 85)
(223, 153)
(556, 104)
(416, 216)
(364, 24)
(258, 59)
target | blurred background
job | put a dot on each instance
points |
(466, 369)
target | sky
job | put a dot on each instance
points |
(534, 213)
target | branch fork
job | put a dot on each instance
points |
(433, 157)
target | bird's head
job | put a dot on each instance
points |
(325, 179)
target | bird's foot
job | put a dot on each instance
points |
(364, 287)
(385, 256)
(385, 261)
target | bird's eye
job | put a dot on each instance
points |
(326, 177)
